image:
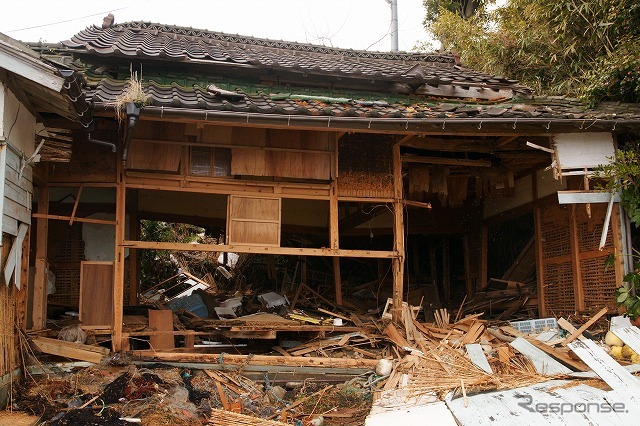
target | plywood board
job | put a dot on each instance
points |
(161, 320)
(248, 162)
(584, 149)
(544, 363)
(96, 293)
(153, 156)
(254, 220)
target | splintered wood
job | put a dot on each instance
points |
(441, 356)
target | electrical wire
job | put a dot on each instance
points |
(73, 19)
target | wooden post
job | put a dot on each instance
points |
(468, 279)
(334, 236)
(619, 250)
(39, 313)
(134, 270)
(23, 295)
(337, 280)
(398, 236)
(537, 225)
(118, 285)
(446, 270)
(578, 292)
(484, 256)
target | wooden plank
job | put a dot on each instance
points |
(292, 251)
(478, 358)
(26, 66)
(630, 336)
(619, 379)
(558, 354)
(68, 218)
(544, 363)
(17, 211)
(96, 284)
(15, 257)
(161, 320)
(232, 359)
(585, 197)
(69, 349)
(584, 327)
(75, 205)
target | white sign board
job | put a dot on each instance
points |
(584, 150)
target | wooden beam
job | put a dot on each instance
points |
(398, 237)
(290, 251)
(407, 158)
(40, 284)
(505, 140)
(20, 63)
(537, 225)
(584, 327)
(230, 359)
(71, 350)
(75, 205)
(430, 143)
(68, 218)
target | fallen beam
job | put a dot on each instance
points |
(70, 350)
(265, 360)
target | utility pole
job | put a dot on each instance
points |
(394, 24)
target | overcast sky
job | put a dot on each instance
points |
(356, 24)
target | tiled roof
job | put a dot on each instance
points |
(149, 41)
(214, 99)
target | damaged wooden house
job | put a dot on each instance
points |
(437, 181)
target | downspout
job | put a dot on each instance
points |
(133, 112)
(90, 129)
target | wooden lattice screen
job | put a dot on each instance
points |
(573, 274)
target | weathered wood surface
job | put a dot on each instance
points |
(544, 363)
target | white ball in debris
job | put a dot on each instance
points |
(384, 367)
(317, 421)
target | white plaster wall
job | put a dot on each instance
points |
(523, 194)
(547, 185)
(18, 124)
(100, 240)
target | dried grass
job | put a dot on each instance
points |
(133, 92)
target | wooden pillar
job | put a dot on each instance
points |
(537, 224)
(446, 270)
(334, 236)
(23, 295)
(578, 292)
(484, 257)
(398, 236)
(118, 284)
(468, 278)
(134, 267)
(618, 243)
(40, 284)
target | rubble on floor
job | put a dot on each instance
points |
(246, 356)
